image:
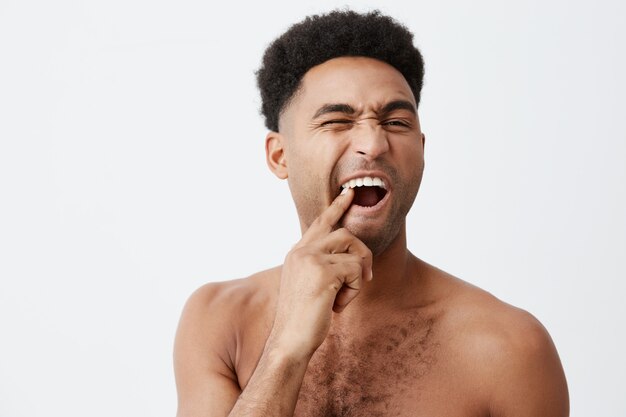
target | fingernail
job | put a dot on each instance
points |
(345, 190)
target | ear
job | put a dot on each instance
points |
(275, 154)
(423, 140)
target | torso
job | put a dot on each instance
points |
(407, 363)
(378, 373)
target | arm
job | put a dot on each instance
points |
(321, 274)
(530, 381)
(274, 387)
(205, 376)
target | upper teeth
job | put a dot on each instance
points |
(367, 181)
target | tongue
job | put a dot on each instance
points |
(365, 196)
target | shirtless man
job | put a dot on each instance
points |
(353, 324)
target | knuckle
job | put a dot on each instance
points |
(323, 218)
(363, 248)
(336, 283)
(354, 268)
(346, 236)
(344, 233)
(356, 259)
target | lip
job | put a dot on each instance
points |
(360, 174)
(371, 210)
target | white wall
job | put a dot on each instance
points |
(132, 171)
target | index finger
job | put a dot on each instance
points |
(329, 218)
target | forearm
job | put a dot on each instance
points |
(273, 388)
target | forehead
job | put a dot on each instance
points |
(364, 83)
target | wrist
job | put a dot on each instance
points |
(288, 349)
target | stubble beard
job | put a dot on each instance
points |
(404, 194)
(380, 240)
(308, 206)
(403, 197)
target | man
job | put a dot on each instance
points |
(352, 323)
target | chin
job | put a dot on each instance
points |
(378, 241)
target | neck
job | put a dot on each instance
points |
(395, 273)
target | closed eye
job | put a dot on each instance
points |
(336, 121)
(396, 123)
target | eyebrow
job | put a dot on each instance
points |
(398, 105)
(334, 108)
(348, 109)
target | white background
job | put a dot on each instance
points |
(132, 171)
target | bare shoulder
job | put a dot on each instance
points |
(490, 323)
(221, 310)
(506, 350)
(230, 299)
(208, 340)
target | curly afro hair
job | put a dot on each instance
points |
(319, 38)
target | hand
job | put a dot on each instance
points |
(322, 273)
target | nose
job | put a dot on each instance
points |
(370, 139)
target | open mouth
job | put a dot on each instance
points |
(368, 191)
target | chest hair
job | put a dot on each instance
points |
(367, 375)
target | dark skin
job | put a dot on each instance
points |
(353, 323)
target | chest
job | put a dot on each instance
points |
(383, 372)
(405, 367)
